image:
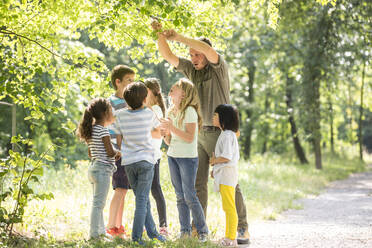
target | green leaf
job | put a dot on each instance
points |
(176, 22)
(39, 171)
(49, 158)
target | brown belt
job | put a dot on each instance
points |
(210, 128)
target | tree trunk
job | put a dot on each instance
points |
(318, 154)
(349, 115)
(317, 42)
(249, 111)
(331, 126)
(296, 141)
(360, 128)
(265, 127)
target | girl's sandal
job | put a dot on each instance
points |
(228, 242)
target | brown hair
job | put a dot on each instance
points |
(154, 85)
(134, 94)
(119, 72)
(96, 110)
(206, 40)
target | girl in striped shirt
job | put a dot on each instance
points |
(93, 130)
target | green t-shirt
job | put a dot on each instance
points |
(178, 148)
(212, 83)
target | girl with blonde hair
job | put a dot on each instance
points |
(181, 132)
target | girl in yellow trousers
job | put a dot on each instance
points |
(225, 171)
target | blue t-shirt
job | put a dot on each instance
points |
(117, 104)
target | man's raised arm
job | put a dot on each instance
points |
(163, 46)
(208, 51)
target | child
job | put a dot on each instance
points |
(136, 125)
(121, 76)
(93, 130)
(155, 101)
(225, 171)
(181, 130)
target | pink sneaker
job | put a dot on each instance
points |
(163, 231)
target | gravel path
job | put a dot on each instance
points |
(339, 217)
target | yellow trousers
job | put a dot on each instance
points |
(228, 205)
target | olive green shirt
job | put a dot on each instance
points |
(212, 83)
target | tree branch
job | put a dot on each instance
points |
(4, 31)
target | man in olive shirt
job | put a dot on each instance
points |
(209, 73)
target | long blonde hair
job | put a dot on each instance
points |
(191, 99)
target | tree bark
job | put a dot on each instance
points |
(296, 141)
(265, 128)
(360, 128)
(249, 111)
(317, 42)
(331, 126)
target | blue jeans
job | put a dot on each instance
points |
(99, 176)
(183, 175)
(140, 175)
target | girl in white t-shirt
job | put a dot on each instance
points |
(181, 133)
(225, 170)
(155, 101)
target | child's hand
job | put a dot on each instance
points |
(165, 124)
(212, 160)
(212, 174)
(237, 134)
(164, 132)
(117, 156)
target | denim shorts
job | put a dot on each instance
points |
(120, 178)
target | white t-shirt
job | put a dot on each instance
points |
(157, 142)
(178, 148)
(226, 173)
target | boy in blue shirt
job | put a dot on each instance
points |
(121, 76)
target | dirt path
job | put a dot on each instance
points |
(339, 217)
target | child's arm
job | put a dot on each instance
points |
(167, 139)
(188, 135)
(155, 133)
(219, 160)
(110, 151)
(119, 139)
(89, 153)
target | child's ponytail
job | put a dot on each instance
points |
(86, 126)
(154, 85)
(96, 110)
(160, 102)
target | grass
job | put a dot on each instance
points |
(270, 185)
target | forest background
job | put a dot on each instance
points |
(300, 76)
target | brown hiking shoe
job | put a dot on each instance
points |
(243, 236)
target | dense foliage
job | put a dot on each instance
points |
(300, 70)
